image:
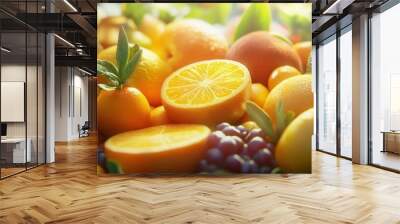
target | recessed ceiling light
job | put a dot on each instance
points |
(70, 5)
(84, 71)
(5, 50)
(65, 41)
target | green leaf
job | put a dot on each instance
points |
(276, 170)
(282, 38)
(133, 50)
(261, 118)
(113, 167)
(122, 49)
(131, 66)
(136, 11)
(256, 17)
(112, 77)
(280, 118)
(290, 115)
(106, 87)
(110, 67)
(212, 13)
(308, 70)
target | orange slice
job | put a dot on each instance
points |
(159, 149)
(207, 92)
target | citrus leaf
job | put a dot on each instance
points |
(131, 66)
(290, 115)
(106, 87)
(261, 118)
(280, 118)
(110, 67)
(276, 170)
(132, 50)
(122, 49)
(282, 38)
(113, 167)
(309, 68)
(112, 77)
(256, 17)
(136, 11)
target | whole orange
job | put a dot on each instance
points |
(190, 40)
(158, 116)
(280, 74)
(303, 49)
(259, 93)
(294, 93)
(108, 28)
(261, 53)
(148, 76)
(122, 110)
(153, 28)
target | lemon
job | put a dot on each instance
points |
(293, 151)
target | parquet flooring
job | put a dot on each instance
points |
(69, 191)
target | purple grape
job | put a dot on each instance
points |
(243, 130)
(101, 159)
(239, 142)
(203, 166)
(234, 163)
(264, 169)
(228, 146)
(271, 147)
(254, 133)
(214, 138)
(253, 166)
(222, 126)
(215, 156)
(249, 166)
(243, 150)
(245, 167)
(211, 168)
(264, 158)
(231, 131)
(255, 145)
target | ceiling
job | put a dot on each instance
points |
(75, 22)
(72, 20)
(326, 14)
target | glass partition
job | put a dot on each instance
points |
(385, 89)
(15, 150)
(327, 96)
(22, 89)
(346, 93)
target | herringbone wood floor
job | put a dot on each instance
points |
(70, 192)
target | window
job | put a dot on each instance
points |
(385, 89)
(327, 96)
(346, 92)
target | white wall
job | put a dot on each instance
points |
(33, 127)
(71, 102)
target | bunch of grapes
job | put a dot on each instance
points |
(238, 150)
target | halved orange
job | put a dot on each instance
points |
(207, 92)
(159, 149)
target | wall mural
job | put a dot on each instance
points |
(205, 88)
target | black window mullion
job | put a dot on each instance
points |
(26, 88)
(338, 76)
(316, 96)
